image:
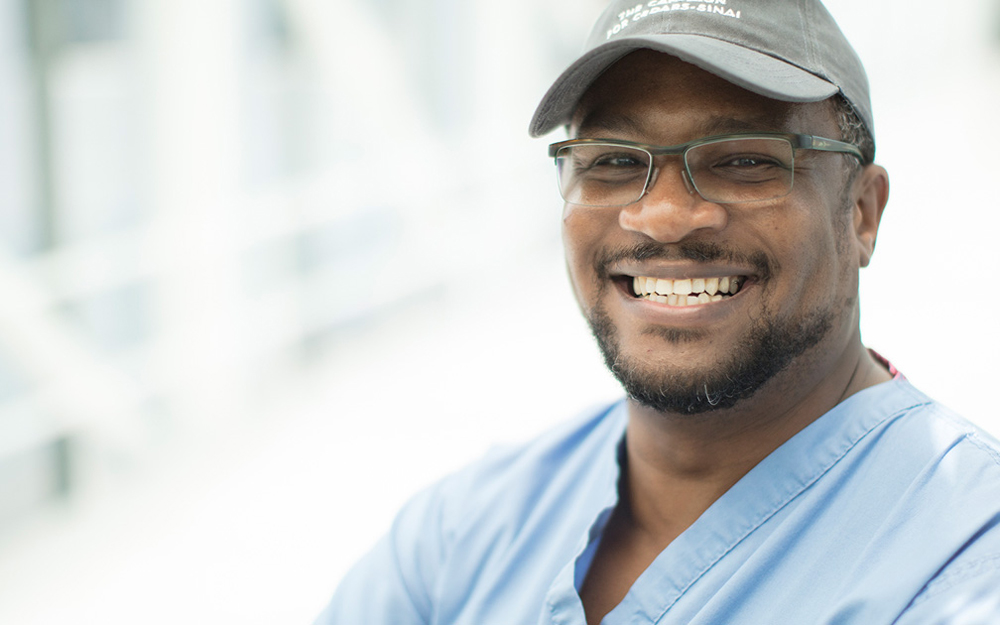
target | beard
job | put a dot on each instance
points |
(768, 347)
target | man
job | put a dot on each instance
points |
(765, 467)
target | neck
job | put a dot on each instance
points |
(678, 465)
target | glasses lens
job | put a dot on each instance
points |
(741, 170)
(602, 174)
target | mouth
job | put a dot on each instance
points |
(688, 291)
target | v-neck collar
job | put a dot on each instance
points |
(758, 496)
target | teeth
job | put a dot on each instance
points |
(686, 292)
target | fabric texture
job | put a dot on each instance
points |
(884, 510)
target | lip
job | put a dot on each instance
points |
(671, 271)
(694, 314)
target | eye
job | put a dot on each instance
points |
(749, 168)
(619, 161)
(748, 161)
(607, 164)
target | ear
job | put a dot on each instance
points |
(870, 193)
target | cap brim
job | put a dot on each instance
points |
(756, 72)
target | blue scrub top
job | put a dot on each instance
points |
(884, 510)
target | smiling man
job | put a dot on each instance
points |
(765, 467)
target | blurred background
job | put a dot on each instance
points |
(267, 267)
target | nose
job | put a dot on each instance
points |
(671, 209)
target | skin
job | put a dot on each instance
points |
(677, 465)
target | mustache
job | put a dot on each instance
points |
(698, 251)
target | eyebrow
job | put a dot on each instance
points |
(598, 122)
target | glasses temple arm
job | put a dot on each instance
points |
(822, 144)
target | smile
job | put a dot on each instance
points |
(686, 292)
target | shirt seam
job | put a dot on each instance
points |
(962, 574)
(972, 437)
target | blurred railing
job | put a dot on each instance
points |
(205, 192)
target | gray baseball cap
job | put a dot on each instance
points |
(789, 50)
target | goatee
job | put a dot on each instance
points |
(769, 344)
(767, 348)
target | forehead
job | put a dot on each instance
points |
(664, 100)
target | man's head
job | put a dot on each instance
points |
(786, 228)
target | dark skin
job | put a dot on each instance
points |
(678, 465)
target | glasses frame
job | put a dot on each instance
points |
(797, 141)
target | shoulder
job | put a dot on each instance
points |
(941, 464)
(942, 434)
(525, 472)
(951, 507)
(901, 445)
(897, 415)
(507, 521)
(512, 482)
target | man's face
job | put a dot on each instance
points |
(793, 259)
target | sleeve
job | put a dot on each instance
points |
(392, 584)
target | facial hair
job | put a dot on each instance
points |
(768, 346)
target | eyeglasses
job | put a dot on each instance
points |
(725, 169)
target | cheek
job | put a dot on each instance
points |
(583, 232)
(823, 263)
(801, 243)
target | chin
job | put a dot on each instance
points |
(768, 347)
